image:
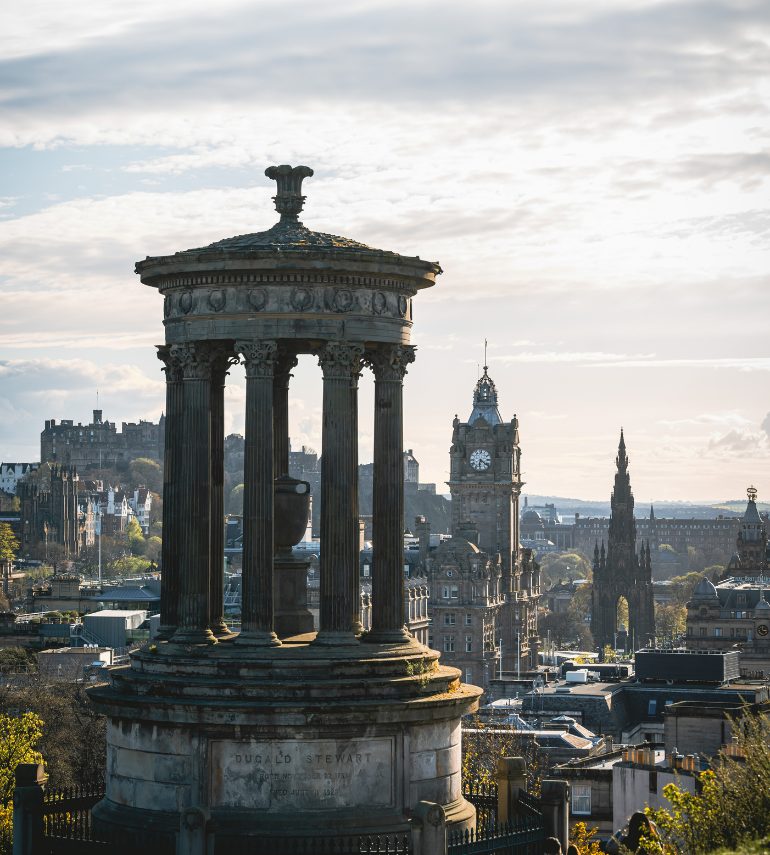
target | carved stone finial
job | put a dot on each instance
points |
(288, 198)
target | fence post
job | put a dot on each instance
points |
(30, 780)
(554, 801)
(429, 829)
(511, 776)
(192, 838)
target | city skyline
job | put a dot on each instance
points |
(592, 179)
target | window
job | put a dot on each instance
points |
(449, 644)
(652, 707)
(653, 782)
(581, 799)
(703, 630)
(449, 619)
(454, 592)
(469, 620)
(469, 675)
(366, 570)
(445, 592)
(469, 644)
(717, 632)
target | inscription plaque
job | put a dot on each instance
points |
(307, 774)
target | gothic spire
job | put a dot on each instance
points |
(622, 459)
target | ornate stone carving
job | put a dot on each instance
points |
(389, 362)
(285, 360)
(166, 306)
(342, 300)
(186, 302)
(172, 365)
(403, 305)
(257, 299)
(198, 358)
(288, 198)
(217, 300)
(340, 361)
(259, 357)
(379, 303)
(301, 298)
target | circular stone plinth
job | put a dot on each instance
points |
(290, 741)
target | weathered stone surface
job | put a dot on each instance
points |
(304, 774)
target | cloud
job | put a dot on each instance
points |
(740, 443)
(766, 425)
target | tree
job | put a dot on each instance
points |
(18, 737)
(486, 742)
(682, 587)
(9, 546)
(235, 500)
(146, 473)
(582, 838)
(670, 620)
(567, 565)
(152, 548)
(135, 537)
(732, 804)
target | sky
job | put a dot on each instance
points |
(592, 176)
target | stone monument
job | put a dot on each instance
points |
(261, 737)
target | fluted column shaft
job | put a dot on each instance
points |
(194, 496)
(258, 521)
(340, 599)
(222, 361)
(169, 592)
(389, 363)
(285, 361)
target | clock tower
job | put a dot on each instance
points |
(485, 477)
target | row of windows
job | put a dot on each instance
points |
(449, 644)
(450, 619)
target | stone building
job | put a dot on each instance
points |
(713, 538)
(484, 587)
(735, 613)
(12, 473)
(100, 444)
(620, 572)
(57, 512)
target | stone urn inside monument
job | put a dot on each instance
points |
(292, 511)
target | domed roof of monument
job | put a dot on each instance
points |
(704, 590)
(751, 514)
(762, 605)
(289, 235)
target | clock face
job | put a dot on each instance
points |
(762, 630)
(480, 459)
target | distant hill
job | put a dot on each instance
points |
(568, 507)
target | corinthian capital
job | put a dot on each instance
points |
(172, 365)
(259, 357)
(197, 359)
(340, 361)
(389, 361)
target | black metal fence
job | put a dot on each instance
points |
(519, 837)
(484, 798)
(64, 818)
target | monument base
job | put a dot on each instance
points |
(292, 616)
(291, 742)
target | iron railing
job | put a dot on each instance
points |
(518, 837)
(484, 798)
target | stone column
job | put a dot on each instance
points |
(285, 361)
(389, 363)
(170, 580)
(223, 358)
(194, 493)
(257, 581)
(340, 601)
